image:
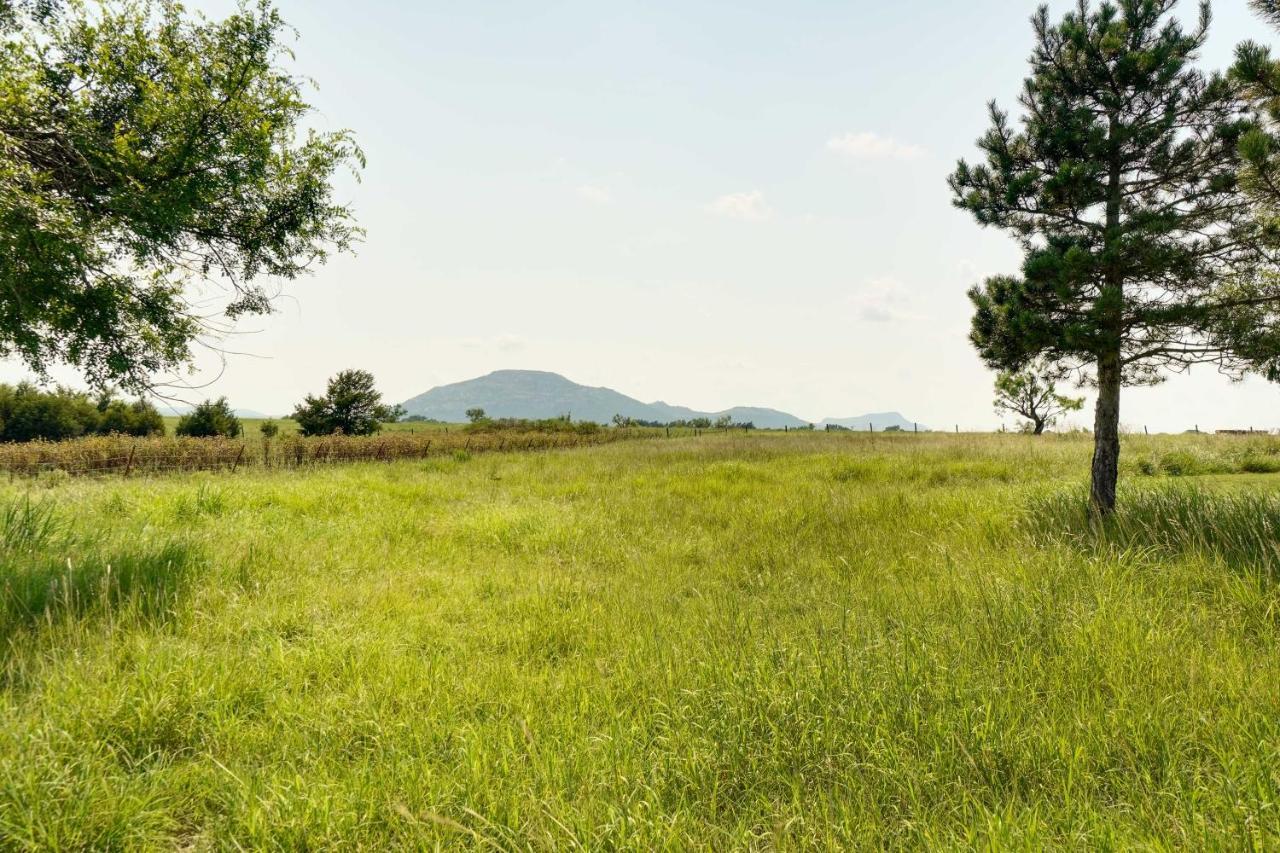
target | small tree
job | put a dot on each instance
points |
(138, 418)
(269, 429)
(475, 415)
(1032, 393)
(351, 405)
(210, 419)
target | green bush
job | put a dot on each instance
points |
(28, 413)
(210, 419)
(1253, 464)
(1180, 464)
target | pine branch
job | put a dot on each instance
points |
(1269, 9)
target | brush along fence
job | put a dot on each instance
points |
(122, 455)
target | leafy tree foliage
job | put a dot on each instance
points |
(351, 405)
(210, 419)
(1123, 186)
(269, 429)
(28, 413)
(475, 415)
(1032, 393)
(145, 151)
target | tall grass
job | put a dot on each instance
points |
(1241, 529)
(735, 642)
(117, 454)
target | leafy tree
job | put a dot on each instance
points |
(269, 429)
(1122, 186)
(210, 419)
(351, 405)
(145, 150)
(475, 415)
(138, 418)
(28, 413)
(1032, 393)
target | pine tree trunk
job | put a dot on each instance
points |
(1106, 424)
(1106, 436)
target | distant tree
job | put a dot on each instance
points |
(139, 418)
(351, 405)
(622, 421)
(724, 422)
(31, 414)
(143, 149)
(1032, 393)
(1122, 186)
(269, 429)
(210, 419)
(475, 415)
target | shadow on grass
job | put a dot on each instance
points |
(48, 573)
(1240, 528)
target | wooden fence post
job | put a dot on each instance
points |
(239, 456)
(128, 466)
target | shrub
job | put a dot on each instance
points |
(1260, 465)
(351, 406)
(269, 428)
(138, 418)
(210, 419)
(29, 414)
(1180, 464)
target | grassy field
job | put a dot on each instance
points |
(738, 641)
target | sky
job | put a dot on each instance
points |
(708, 202)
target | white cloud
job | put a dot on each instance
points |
(882, 300)
(872, 146)
(594, 194)
(748, 206)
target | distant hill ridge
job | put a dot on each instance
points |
(540, 394)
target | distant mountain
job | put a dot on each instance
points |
(879, 420)
(538, 394)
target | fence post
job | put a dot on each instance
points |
(239, 456)
(128, 466)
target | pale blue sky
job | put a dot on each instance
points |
(714, 203)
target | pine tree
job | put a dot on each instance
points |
(1141, 248)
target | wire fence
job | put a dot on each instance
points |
(125, 456)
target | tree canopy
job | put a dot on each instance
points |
(1123, 186)
(210, 419)
(28, 413)
(351, 405)
(1032, 393)
(155, 176)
